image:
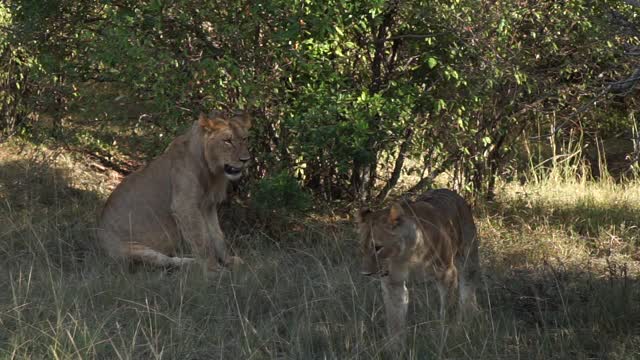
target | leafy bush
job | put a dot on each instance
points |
(344, 90)
(280, 193)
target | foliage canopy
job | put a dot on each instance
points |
(344, 92)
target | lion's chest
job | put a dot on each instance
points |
(214, 198)
(216, 192)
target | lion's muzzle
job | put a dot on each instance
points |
(232, 172)
(377, 274)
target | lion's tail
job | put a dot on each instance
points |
(132, 250)
(147, 255)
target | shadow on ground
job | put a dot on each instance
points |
(43, 208)
(301, 295)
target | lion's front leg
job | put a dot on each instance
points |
(190, 216)
(193, 228)
(396, 301)
(218, 240)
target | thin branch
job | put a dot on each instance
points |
(407, 36)
(428, 181)
(397, 169)
(624, 85)
(618, 87)
(122, 167)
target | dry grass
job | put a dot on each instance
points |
(561, 282)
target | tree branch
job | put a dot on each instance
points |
(407, 36)
(397, 168)
(625, 85)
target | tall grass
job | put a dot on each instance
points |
(560, 282)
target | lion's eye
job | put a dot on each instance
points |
(227, 141)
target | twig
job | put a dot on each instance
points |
(408, 36)
(397, 169)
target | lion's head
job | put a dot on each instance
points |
(225, 143)
(385, 235)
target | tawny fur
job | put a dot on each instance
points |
(175, 197)
(436, 235)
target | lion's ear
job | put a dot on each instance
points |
(395, 213)
(212, 123)
(244, 119)
(362, 214)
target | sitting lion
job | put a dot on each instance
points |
(435, 234)
(176, 197)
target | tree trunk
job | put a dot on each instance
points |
(397, 168)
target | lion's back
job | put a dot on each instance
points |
(453, 210)
(139, 208)
(448, 202)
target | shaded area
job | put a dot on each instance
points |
(617, 153)
(310, 302)
(582, 311)
(301, 295)
(109, 124)
(43, 210)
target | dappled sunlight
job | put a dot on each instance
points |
(571, 220)
(528, 109)
(559, 266)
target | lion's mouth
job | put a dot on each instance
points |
(232, 171)
(377, 274)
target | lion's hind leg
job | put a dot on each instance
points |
(469, 272)
(146, 255)
(446, 282)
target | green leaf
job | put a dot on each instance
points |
(432, 62)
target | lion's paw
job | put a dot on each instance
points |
(233, 262)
